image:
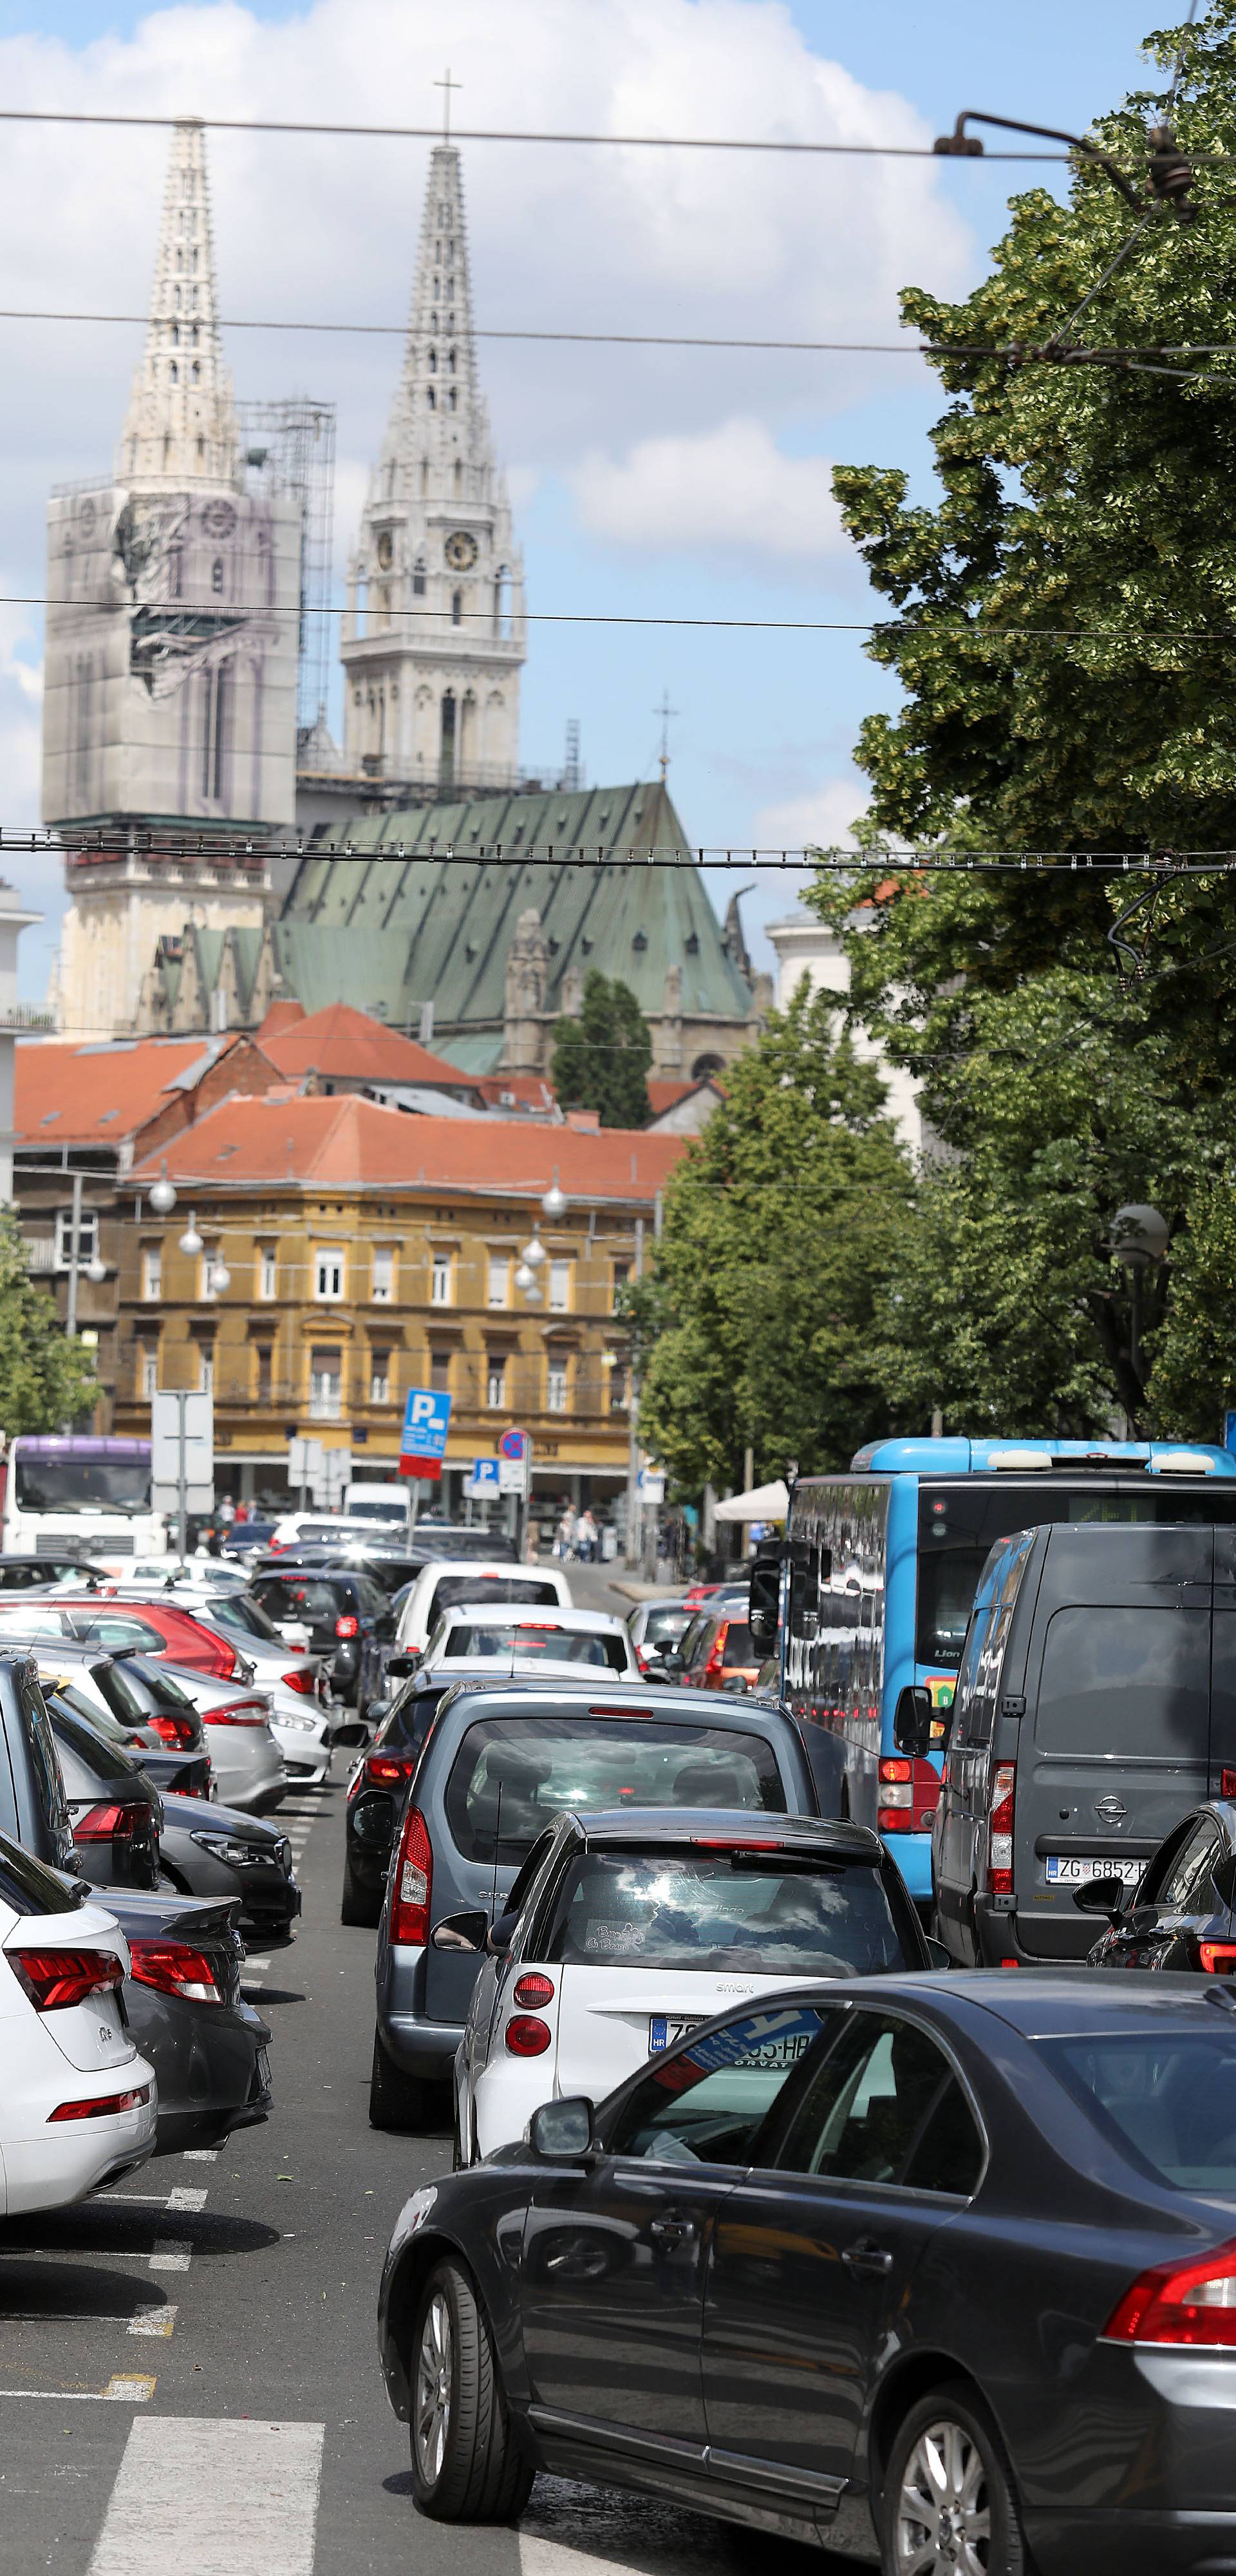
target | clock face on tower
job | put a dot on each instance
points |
(461, 551)
(386, 549)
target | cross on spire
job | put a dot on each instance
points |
(665, 711)
(448, 85)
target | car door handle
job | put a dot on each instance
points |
(867, 2257)
(671, 2231)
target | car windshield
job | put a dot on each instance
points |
(507, 1637)
(1171, 2098)
(719, 1910)
(662, 1627)
(63, 1695)
(452, 1589)
(510, 1775)
(82, 1484)
(141, 1687)
(960, 1520)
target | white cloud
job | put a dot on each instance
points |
(822, 819)
(723, 490)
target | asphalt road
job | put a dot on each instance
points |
(188, 2374)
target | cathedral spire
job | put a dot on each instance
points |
(180, 427)
(439, 415)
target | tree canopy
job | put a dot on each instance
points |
(780, 1230)
(601, 1060)
(45, 1380)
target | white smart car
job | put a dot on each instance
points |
(624, 1930)
(466, 1582)
(77, 2103)
(592, 1640)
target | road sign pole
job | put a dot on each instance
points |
(182, 1483)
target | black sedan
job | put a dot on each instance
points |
(215, 1851)
(113, 1808)
(184, 2007)
(937, 2271)
(348, 1618)
(1180, 1914)
(377, 1788)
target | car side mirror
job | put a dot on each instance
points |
(500, 1932)
(912, 1720)
(562, 2131)
(373, 1820)
(461, 1931)
(764, 1601)
(1107, 1896)
(1223, 1879)
(398, 1667)
(353, 1733)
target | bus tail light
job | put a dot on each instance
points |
(1000, 1831)
(909, 1794)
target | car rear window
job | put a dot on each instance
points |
(534, 1766)
(30, 1888)
(662, 1627)
(1171, 2098)
(62, 1696)
(104, 1759)
(766, 1912)
(453, 1589)
(736, 1645)
(247, 1616)
(112, 1628)
(1131, 1679)
(135, 1687)
(301, 1599)
(558, 1645)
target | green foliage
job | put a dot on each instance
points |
(1064, 634)
(781, 1227)
(601, 1060)
(44, 1379)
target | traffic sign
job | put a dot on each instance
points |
(514, 1444)
(513, 1476)
(182, 1452)
(426, 1421)
(651, 1482)
(484, 1480)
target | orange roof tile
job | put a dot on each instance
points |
(355, 1048)
(527, 1090)
(70, 1094)
(342, 1141)
(280, 1017)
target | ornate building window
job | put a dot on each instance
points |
(495, 1383)
(457, 608)
(216, 575)
(556, 1385)
(418, 578)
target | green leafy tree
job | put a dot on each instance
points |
(781, 1228)
(45, 1380)
(601, 1060)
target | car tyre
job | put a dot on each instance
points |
(947, 2481)
(466, 2466)
(396, 2100)
(359, 1904)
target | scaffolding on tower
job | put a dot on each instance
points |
(289, 448)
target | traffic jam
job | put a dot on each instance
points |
(801, 2062)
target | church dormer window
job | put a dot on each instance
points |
(418, 578)
(216, 574)
(457, 608)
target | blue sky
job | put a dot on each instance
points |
(599, 446)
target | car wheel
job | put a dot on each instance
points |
(465, 2463)
(396, 2100)
(358, 1904)
(949, 2500)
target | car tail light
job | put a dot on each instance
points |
(534, 1988)
(1218, 1957)
(715, 1665)
(176, 1969)
(1183, 2303)
(177, 1731)
(303, 1681)
(413, 1882)
(526, 2036)
(110, 1824)
(238, 1712)
(55, 1979)
(347, 1626)
(102, 2109)
(1227, 1783)
(1000, 1831)
(387, 1770)
(908, 1795)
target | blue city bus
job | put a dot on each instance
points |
(893, 1553)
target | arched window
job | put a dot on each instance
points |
(197, 371)
(502, 600)
(424, 474)
(175, 335)
(173, 371)
(430, 399)
(457, 608)
(194, 335)
(216, 574)
(433, 362)
(451, 361)
(418, 578)
(458, 478)
(452, 397)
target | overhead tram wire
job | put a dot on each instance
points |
(503, 134)
(1162, 866)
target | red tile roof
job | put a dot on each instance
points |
(280, 1017)
(344, 1141)
(662, 1095)
(352, 1047)
(518, 1090)
(71, 1094)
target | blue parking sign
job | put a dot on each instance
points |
(426, 1422)
(485, 1473)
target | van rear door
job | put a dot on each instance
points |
(1114, 1746)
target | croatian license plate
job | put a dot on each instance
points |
(1074, 1869)
(667, 2034)
(263, 2069)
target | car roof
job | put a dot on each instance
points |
(1066, 2002)
(497, 1565)
(615, 1697)
(545, 1614)
(751, 1827)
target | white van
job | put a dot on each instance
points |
(377, 1502)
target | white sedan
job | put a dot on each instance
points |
(590, 1640)
(77, 2103)
(462, 1582)
(624, 1930)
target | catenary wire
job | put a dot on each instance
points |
(504, 134)
(932, 860)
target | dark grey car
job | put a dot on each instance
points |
(499, 1763)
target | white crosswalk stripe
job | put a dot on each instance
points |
(219, 2497)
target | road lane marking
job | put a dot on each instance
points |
(123, 2389)
(170, 2256)
(183, 2197)
(200, 2155)
(154, 2321)
(225, 2498)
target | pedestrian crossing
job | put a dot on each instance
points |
(218, 2496)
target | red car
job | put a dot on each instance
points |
(123, 1627)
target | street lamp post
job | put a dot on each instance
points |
(1139, 1238)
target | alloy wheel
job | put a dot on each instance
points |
(943, 2510)
(432, 2418)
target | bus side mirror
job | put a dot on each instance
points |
(764, 1601)
(912, 1720)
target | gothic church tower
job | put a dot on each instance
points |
(433, 639)
(171, 647)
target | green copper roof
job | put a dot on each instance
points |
(400, 922)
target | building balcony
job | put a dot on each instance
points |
(20, 1016)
